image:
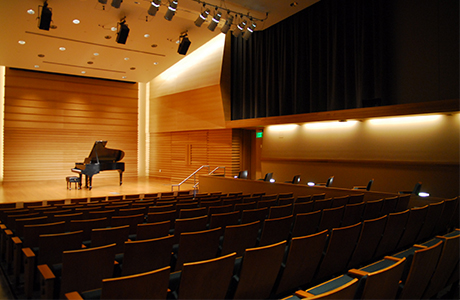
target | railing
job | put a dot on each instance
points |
(195, 182)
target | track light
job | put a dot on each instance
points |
(201, 18)
(154, 6)
(123, 31)
(116, 3)
(227, 25)
(239, 29)
(215, 21)
(249, 31)
(103, 1)
(184, 44)
(45, 17)
(171, 10)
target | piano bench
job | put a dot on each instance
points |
(71, 179)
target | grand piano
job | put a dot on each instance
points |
(100, 159)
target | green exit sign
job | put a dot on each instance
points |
(259, 134)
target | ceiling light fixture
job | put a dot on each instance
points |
(201, 18)
(239, 29)
(123, 31)
(76, 21)
(227, 25)
(103, 1)
(154, 7)
(171, 10)
(215, 21)
(116, 3)
(44, 20)
(249, 31)
(184, 44)
(31, 11)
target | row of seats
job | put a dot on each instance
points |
(259, 226)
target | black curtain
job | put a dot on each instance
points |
(326, 57)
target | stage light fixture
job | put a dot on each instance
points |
(239, 29)
(215, 21)
(202, 17)
(184, 44)
(45, 17)
(123, 31)
(116, 3)
(103, 1)
(227, 25)
(171, 10)
(154, 6)
(249, 31)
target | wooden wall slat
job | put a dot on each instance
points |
(52, 121)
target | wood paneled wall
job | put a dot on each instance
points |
(176, 155)
(52, 121)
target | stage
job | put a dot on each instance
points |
(53, 190)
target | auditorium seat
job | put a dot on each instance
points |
(414, 224)
(421, 263)
(152, 230)
(67, 217)
(299, 269)
(189, 225)
(433, 214)
(403, 202)
(339, 249)
(319, 196)
(306, 223)
(207, 279)
(196, 246)
(448, 211)
(88, 225)
(302, 207)
(322, 204)
(267, 203)
(82, 270)
(331, 218)
(352, 214)
(389, 205)
(131, 211)
(258, 271)
(237, 238)
(341, 287)
(394, 229)
(252, 215)
(369, 238)
(131, 220)
(356, 198)
(146, 255)
(186, 213)
(275, 230)
(106, 236)
(51, 247)
(379, 280)
(97, 214)
(302, 198)
(280, 211)
(224, 208)
(340, 201)
(372, 209)
(223, 220)
(155, 217)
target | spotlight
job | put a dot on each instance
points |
(201, 18)
(249, 31)
(122, 34)
(227, 25)
(239, 29)
(171, 10)
(154, 6)
(116, 3)
(215, 21)
(103, 1)
(184, 44)
(45, 17)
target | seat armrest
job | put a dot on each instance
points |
(73, 296)
(303, 294)
(47, 280)
(355, 273)
(29, 271)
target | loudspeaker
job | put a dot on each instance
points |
(122, 34)
(45, 18)
(183, 46)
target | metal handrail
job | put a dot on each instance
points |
(195, 183)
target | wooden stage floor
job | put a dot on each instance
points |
(53, 190)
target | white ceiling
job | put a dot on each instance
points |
(139, 60)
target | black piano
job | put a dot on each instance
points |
(100, 159)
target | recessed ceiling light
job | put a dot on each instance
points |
(21, 42)
(95, 54)
(126, 58)
(37, 66)
(124, 77)
(62, 48)
(31, 11)
(155, 63)
(146, 35)
(76, 21)
(132, 68)
(90, 62)
(41, 55)
(83, 72)
(154, 45)
(114, 28)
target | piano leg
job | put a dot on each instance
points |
(121, 177)
(90, 182)
(79, 183)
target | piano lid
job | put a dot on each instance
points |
(102, 154)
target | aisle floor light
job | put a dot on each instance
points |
(202, 17)
(227, 25)
(154, 6)
(171, 10)
(215, 21)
